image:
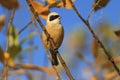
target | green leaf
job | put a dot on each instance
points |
(14, 51)
(31, 35)
(13, 36)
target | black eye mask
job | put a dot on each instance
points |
(53, 17)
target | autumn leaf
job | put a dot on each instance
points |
(93, 77)
(98, 4)
(2, 58)
(41, 9)
(10, 4)
(108, 63)
(110, 75)
(56, 3)
(117, 33)
(2, 21)
(68, 4)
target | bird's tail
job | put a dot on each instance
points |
(54, 58)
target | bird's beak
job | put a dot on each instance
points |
(60, 17)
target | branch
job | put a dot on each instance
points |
(24, 27)
(5, 68)
(95, 36)
(48, 36)
(90, 13)
(34, 67)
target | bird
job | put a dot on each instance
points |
(56, 32)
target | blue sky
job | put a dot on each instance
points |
(69, 20)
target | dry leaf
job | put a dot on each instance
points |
(50, 2)
(110, 75)
(10, 4)
(2, 58)
(68, 5)
(80, 55)
(93, 78)
(2, 21)
(117, 33)
(94, 47)
(42, 10)
(98, 4)
(108, 63)
(59, 4)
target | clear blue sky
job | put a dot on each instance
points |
(69, 20)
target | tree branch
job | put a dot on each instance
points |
(24, 27)
(48, 36)
(95, 36)
(5, 69)
(34, 67)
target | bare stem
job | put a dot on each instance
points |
(24, 27)
(95, 36)
(48, 36)
(90, 13)
(5, 69)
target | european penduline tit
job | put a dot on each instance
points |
(56, 32)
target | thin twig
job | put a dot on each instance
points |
(48, 36)
(90, 13)
(95, 36)
(5, 69)
(34, 67)
(24, 27)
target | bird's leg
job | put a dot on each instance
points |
(55, 50)
(48, 37)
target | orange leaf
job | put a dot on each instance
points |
(50, 2)
(93, 78)
(108, 63)
(110, 75)
(42, 10)
(59, 4)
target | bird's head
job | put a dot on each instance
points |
(53, 18)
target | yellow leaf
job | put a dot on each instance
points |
(42, 10)
(7, 55)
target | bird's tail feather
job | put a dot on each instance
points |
(54, 58)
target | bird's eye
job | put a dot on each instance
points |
(53, 17)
